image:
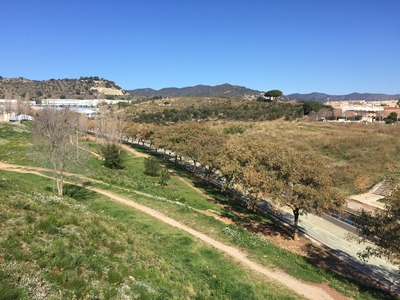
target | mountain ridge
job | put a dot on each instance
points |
(322, 97)
(94, 87)
(200, 90)
(229, 90)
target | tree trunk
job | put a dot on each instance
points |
(296, 213)
(59, 187)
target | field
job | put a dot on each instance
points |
(85, 246)
(358, 155)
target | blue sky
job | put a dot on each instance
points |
(331, 46)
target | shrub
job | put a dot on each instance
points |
(151, 167)
(164, 177)
(113, 157)
(234, 129)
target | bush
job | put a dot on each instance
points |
(164, 177)
(151, 167)
(234, 129)
(392, 118)
(113, 157)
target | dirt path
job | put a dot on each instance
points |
(320, 292)
(123, 146)
(139, 154)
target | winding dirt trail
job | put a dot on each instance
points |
(309, 291)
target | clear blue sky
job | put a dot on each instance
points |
(331, 46)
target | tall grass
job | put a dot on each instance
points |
(351, 151)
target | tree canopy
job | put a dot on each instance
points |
(392, 118)
(264, 170)
(383, 229)
(314, 106)
(273, 94)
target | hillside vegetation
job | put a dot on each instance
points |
(90, 248)
(85, 246)
(83, 88)
(224, 90)
(358, 155)
(202, 109)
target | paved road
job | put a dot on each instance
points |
(337, 238)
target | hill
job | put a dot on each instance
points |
(223, 90)
(321, 97)
(82, 88)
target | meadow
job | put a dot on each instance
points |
(83, 245)
(359, 155)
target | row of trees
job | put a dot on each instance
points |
(264, 170)
(256, 167)
(15, 106)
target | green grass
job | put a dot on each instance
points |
(94, 248)
(97, 226)
(15, 140)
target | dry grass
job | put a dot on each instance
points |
(359, 155)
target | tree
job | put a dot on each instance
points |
(264, 170)
(23, 107)
(209, 146)
(300, 182)
(314, 106)
(151, 167)
(110, 124)
(190, 140)
(164, 177)
(392, 118)
(113, 156)
(53, 130)
(109, 127)
(272, 94)
(383, 229)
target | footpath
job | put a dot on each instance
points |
(309, 291)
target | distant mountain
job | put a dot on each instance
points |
(223, 90)
(320, 97)
(82, 88)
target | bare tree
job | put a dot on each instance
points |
(8, 106)
(53, 131)
(23, 107)
(110, 124)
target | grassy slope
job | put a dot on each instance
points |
(92, 247)
(123, 221)
(359, 155)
